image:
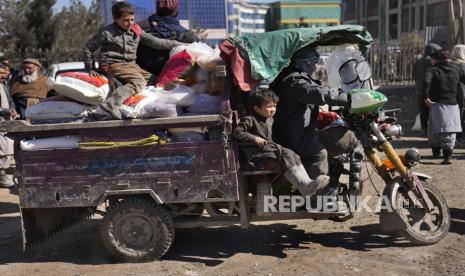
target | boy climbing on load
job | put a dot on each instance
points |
(257, 130)
(118, 46)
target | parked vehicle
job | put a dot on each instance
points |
(150, 190)
(55, 69)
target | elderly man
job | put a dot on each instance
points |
(29, 87)
(7, 111)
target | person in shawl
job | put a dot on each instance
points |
(7, 112)
(441, 92)
(458, 55)
(295, 120)
(163, 24)
(296, 116)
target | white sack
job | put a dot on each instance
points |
(80, 90)
(61, 142)
(181, 95)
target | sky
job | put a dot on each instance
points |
(61, 3)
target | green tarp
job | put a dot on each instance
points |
(270, 52)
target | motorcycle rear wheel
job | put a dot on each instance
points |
(423, 228)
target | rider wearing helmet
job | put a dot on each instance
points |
(296, 115)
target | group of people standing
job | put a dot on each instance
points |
(440, 82)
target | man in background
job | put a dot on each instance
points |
(29, 87)
(419, 70)
(7, 112)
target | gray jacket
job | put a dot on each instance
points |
(117, 45)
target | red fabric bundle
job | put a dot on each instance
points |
(175, 67)
(239, 66)
(326, 118)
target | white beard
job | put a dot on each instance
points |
(29, 78)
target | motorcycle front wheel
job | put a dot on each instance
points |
(421, 227)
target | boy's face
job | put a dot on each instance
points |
(267, 110)
(126, 21)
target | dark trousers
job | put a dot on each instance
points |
(283, 157)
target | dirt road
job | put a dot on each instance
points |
(295, 247)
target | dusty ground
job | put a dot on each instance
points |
(294, 247)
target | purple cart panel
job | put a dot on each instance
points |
(174, 173)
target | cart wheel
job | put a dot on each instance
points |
(137, 230)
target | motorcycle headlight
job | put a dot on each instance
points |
(412, 156)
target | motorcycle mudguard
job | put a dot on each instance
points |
(390, 221)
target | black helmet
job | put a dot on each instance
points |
(304, 59)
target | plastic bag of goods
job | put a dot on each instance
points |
(200, 87)
(417, 125)
(150, 107)
(181, 95)
(177, 49)
(61, 142)
(55, 110)
(365, 100)
(205, 104)
(198, 49)
(180, 66)
(210, 61)
(81, 87)
(336, 59)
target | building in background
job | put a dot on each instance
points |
(144, 8)
(303, 13)
(245, 17)
(214, 20)
(208, 17)
(389, 20)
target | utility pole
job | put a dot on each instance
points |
(461, 22)
(452, 21)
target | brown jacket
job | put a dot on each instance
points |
(35, 89)
(117, 45)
